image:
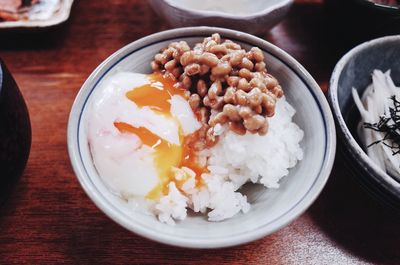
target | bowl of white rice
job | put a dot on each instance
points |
(258, 176)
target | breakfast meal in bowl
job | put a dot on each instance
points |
(379, 128)
(208, 120)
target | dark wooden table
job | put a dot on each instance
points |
(49, 219)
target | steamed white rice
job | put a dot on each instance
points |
(232, 162)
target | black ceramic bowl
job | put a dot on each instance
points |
(15, 133)
(354, 70)
(380, 6)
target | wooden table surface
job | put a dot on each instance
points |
(49, 218)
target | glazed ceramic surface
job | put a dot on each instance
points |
(271, 209)
(15, 133)
(387, 9)
(354, 70)
(262, 17)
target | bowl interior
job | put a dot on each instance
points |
(357, 73)
(270, 209)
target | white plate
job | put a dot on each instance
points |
(59, 17)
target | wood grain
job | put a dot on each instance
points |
(50, 220)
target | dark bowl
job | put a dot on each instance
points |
(354, 70)
(15, 133)
(380, 7)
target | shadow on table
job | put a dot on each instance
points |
(28, 39)
(11, 203)
(319, 35)
(354, 220)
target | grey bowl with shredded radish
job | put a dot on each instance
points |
(361, 94)
(255, 185)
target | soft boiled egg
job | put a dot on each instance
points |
(137, 128)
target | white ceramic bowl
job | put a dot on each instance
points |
(271, 209)
(260, 15)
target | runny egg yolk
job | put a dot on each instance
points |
(156, 95)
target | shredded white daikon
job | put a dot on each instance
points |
(375, 104)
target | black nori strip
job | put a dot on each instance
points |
(391, 130)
